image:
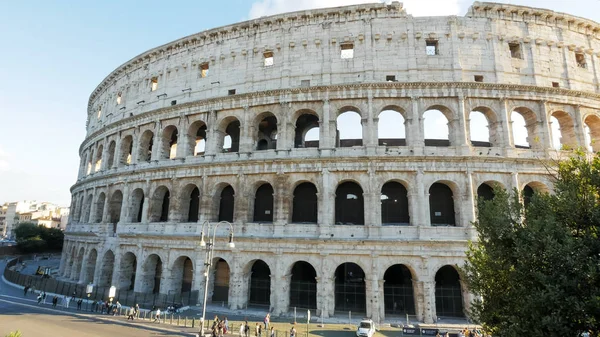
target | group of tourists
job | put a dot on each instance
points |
(258, 329)
(219, 327)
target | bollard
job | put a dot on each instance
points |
(177, 320)
(171, 322)
(193, 322)
(185, 321)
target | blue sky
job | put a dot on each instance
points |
(54, 53)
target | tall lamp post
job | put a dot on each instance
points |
(210, 248)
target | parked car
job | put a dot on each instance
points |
(366, 328)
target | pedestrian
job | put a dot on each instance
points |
(220, 329)
(157, 316)
(225, 325)
(25, 291)
(293, 331)
(117, 309)
(272, 332)
(39, 298)
(267, 321)
(247, 329)
(137, 310)
(44, 298)
(256, 330)
(260, 331)
(54, 301)
(131, 313)
(79, 302)
(242, 330)
(67, 300)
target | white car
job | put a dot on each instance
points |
(366, 328)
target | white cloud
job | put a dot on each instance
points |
(415, 7)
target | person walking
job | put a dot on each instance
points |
(242, 330)
(272, 332)
(54, 301)
(137, 310)
(67, 300)
(39, 298)
(293, 331)
(131, 313)
(79, 302)
(225, 325)
(157, 316)
(247, 329)
(44, 298)
(25, 291)
(267, 321)
(118, 309)
(256, 330)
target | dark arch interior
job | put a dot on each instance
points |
(233, 130)
(267, 133)
(398, 291)
(157, 276)
(194, 206)
(260, 284)
(349, 204)
(485, 192)
(303, 124)
(221, 283)
(528, 193)
(263, 204)
(188, 275)
(394, 204)
(164, 210)
(226, 204)
(128, 269)
(304, 209)
(200, 135)
(350, 292)
(303, 286)
(448, 293)
(441, 205)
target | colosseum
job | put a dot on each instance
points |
(242, 125)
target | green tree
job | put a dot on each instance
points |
(27, 230)
(54, 238)
(536, 270)
(15, 334)
(34, 239)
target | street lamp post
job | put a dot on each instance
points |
(210, 248)
(89, 289)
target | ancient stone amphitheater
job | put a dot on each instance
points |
(242, 124)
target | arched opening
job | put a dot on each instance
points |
(394, 204)
(398, 291)
(89, 267)
(98, 162)
(267, 133)
(231, 138)
(168, 148)
(197, 139)
(592, 126)
(485, 192)
(108, 263)
(305, 204)
(160, 205)
(350, 292)
(263, 204)
(111, 154)
(479, 129)
(77, 265)
(89, 162)
(98, 212)
(260, 284)
(524, 128)
(194, 205)
(114, 207)
(152, 274)
(86, 217)
(136, 209)
(391, 130)
(221, 282)
(307, 131)
(563, 131)
(303, 286)
(349, 204)
(126, 151)
(436, 127)
(128, 269)
(349, 129)
(448, 293)
(145, 149)
(182, 274)
(226, 204)
(441, 205)
(527, 193)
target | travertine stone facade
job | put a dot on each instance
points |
(212, 127)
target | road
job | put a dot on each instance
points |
(24, 314)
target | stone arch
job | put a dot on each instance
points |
(136, 208)
(349, 204)
(90, 266)
(305, 203)
(266, 135)
(197, 139)
(190, 203)
(529, 128)
(229, 128)
(146, 143)
(127, 271)
(112, 148)
(263, 203)
(592, 124)
(182, 275)
(434, 132)
(222, 274)
(152, 273)
(484, 132)
(394, 204)
(349, 127)
(99, 211)
(87, 208)
(307, 121)
(260, 284)
(485, 191)
(126, 151)
(448, 293)
(160, 204)
(391, 126)
(106, 269)
(350, 288)
(226, 203)
(563, 134)
(303, 286)
(114, 207)
(98, 162)
(398, 292)
(441, 204)
(168, 142)
(531, 188)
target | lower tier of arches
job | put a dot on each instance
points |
(383, 280)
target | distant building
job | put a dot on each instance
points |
(42, 213)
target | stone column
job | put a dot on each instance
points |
(238, 287)
(98, 271)
(183, 139)
(281, 200)
(63, 257)
(117, 152)
(105, 216)
(468, 206)
(415, 132)
(429, 315)
(370, 296)
(369, 126)
(280, 293)
(174, 201)
(247, 133)
(104, 164)
(419, 296)
(157, 141)
(146, 201)
(544, 128)
(461, 127)
(504, 117)
(212, 136)
(284, 128)
(325, 296)
(124, 204)
(326, 212)
(380, 304)
(140, 276)
(579, 127)
(325, 138)
(423, 200)
(135, 147)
